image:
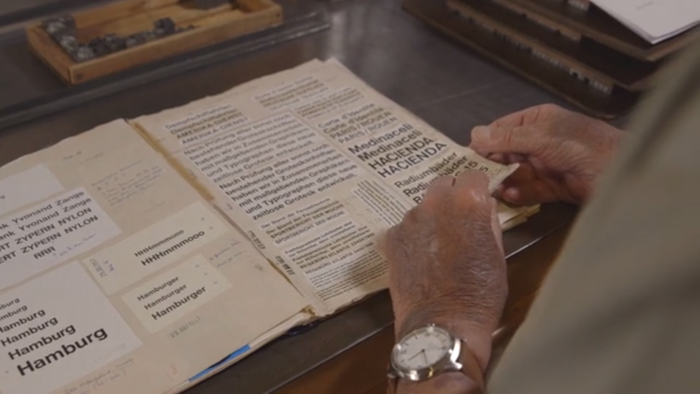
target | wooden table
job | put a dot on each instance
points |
(446, 85)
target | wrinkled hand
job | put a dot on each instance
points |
(562, 153)
(446, 260)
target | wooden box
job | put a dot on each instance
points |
(124, 18)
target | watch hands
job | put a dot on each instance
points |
(416, 355)
(425, 356)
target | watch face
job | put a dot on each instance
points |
(422, 348)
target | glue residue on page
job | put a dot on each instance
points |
(27, 187)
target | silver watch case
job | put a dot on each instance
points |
(449, 363)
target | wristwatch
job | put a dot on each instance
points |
(428, 352)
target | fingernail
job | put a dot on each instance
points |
(497, 157)
(512, 194)
(481, 132)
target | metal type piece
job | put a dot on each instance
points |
(114, 43)
(83, 53)
(166, 25)
(63, 31)
(64, 25)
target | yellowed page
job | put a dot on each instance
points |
(116, 276)
(312, 164)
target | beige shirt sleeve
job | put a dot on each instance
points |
(620, 311)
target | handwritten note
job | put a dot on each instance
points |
(227, 255)
(185, 326)
(80, 158)
(111, 375)
(129, 181)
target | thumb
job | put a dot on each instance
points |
(494, 139)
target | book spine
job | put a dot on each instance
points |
(544, 56)
(542, 21)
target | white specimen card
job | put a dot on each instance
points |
(56, 329)
(51, 233)
(32, 185)
(155, 247)
(175, 294)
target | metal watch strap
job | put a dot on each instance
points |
(470, 368)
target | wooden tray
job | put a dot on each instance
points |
(603, 104)
(128, 17)
(598, 26)
(586, 57)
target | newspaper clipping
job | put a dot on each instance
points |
(312, 165)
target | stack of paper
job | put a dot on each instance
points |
(654, 20)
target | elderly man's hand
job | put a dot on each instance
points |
(562, 153)
(446, 262)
